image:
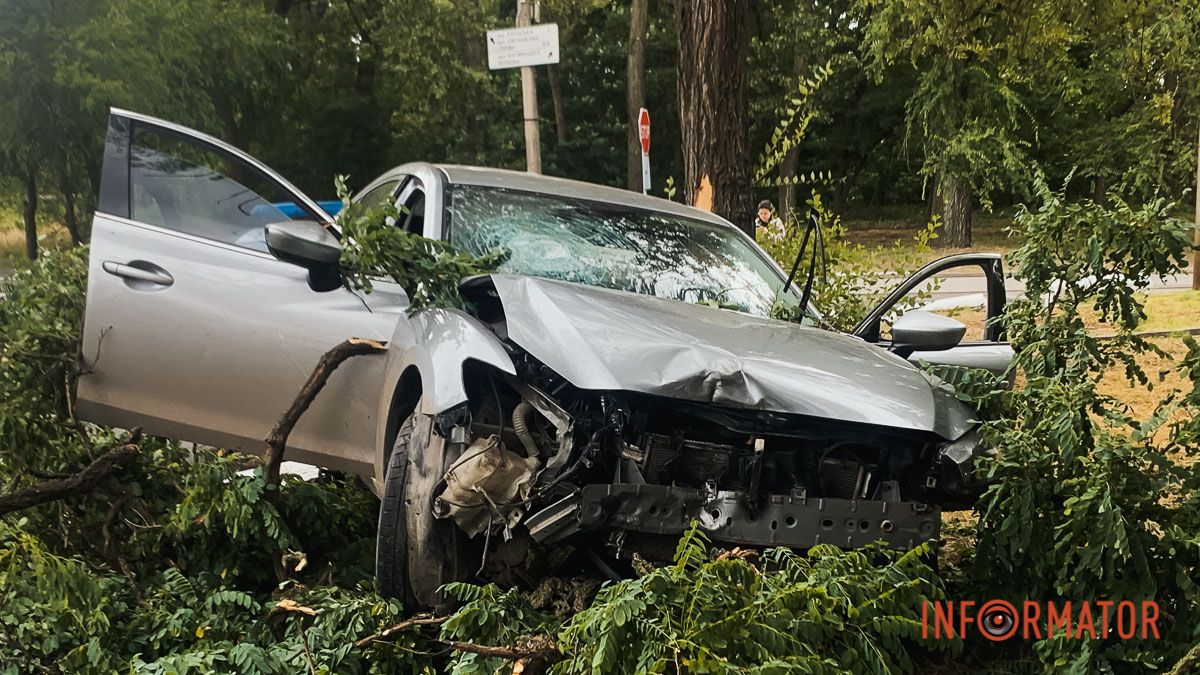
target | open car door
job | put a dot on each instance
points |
(193, 329)
(924, 336)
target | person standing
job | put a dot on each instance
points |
(768, 225)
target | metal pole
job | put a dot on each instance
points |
(533, 140)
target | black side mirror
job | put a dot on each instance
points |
(309, 245)
(922, 331)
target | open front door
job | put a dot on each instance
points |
(193, 330)
(978, 303)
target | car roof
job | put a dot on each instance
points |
(457, 174)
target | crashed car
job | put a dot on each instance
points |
(617, 379)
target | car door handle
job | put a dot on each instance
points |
(139, 270)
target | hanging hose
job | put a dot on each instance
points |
(520, 424)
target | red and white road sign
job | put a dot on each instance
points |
(644, 130)
(644, 137)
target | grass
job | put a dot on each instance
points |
(889, 226)
(12, 237)
(1178, 310)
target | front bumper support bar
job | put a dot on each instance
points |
(781, 520)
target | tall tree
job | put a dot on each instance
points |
(635, 89)
(967, 109)
(713, 116)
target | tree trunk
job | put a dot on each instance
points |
(1196, 252)
(713, 115)
(471, 45)
(956, 213)
(933, 200)
(1100, 190)
(70, 218)
(635, 89)
(30, 213)
(560, 115)
(786, 200)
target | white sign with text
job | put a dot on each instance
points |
(526, 46)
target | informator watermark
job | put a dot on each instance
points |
(1000, 620)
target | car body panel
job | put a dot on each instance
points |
(605, 339)
(437, 343)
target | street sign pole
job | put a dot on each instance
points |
(529, 111)
(644, 137)
(524, 47)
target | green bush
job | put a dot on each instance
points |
(1088, 502)
(828, 611)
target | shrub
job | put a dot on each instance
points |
(1086, 501)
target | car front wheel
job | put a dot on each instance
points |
(416, 553)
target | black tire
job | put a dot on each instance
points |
(416, 553)
(391, 538)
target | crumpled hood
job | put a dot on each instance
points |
(613, 340)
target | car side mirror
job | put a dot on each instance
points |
(921, 331)
(309, 245)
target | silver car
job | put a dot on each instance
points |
(618, 379)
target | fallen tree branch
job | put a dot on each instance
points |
(387, 633)
(78, 483)
(277, 440)
(532, 655)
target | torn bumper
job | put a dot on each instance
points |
(781, 520)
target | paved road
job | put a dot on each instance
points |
(970, 284)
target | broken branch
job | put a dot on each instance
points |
(277, 440)
(78, 483)
(532, 655)
(387, 633)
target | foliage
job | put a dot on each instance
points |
(824, 612)
(41, 310)
(793, 125)
(488, 615)
(1086, 501)
(428, 270)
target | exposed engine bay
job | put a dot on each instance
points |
(536, 460)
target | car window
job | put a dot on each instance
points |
(379, 195)
(184, 186)
(412, 211)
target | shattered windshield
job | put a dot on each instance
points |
(614, 246)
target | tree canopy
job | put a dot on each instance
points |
(949, 104)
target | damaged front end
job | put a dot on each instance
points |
(541, 462)
(625, 418)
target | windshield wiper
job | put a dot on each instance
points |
(814, 226)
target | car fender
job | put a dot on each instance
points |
(436, 343)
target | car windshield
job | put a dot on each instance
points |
(615, 246)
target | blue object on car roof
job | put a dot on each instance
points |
(289, 209)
